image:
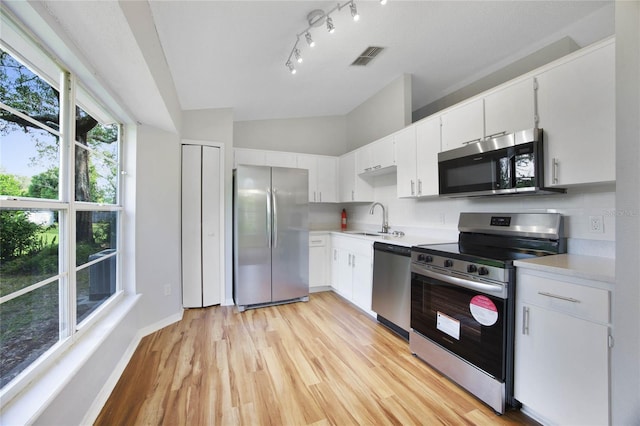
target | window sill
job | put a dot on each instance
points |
(30, 402)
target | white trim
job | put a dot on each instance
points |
(101, 399)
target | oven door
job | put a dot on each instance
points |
(468, 322)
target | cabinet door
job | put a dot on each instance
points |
(576, 108)
(364, 159)
(405, 146)
(362, 281)
(249, 157)
(309, 162)
(463, 124)
(346, 175)
(280, 159)
(317, 266)
(344, 273)
(510, 109)
(327, 179)
(352, 187)
(383, 153)
(561, 366)
(427, 148)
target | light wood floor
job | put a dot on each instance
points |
(321, 362)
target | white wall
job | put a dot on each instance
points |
(311, 135)
(380, 115)
(158, 224)
(625, 370)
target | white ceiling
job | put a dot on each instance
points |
(232, 54)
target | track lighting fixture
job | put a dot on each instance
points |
(316, 18)
(310, 41)
(354, 12)
(330, 26)
(292, 69)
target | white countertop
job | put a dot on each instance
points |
(407, 240)
(579, 266)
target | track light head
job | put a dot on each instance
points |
(310, 41)
(296, 53)
(330, 27)
(354, 11)
(292, 69)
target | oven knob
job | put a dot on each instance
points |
(472, 268)
(448, 263)
(483, 271)
(428, 259)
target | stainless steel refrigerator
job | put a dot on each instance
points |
(270, 235)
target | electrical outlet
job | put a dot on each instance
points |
(167, 289)
(596, 224)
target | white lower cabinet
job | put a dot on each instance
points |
(562, 349)
(352, 270)
(318, 261)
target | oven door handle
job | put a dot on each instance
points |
(495, 289)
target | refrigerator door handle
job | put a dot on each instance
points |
(269, 218)
(275, 217)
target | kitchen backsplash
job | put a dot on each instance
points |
(440, 215)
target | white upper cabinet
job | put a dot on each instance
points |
(260, 157)
(323, 181)
(427, 148)
(576, 109)
(417, 148)
(248, 157)
(376, 157)
(351, 186)
(511, 108)
(463, 124)
(406, 162)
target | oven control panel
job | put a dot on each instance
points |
(465, 268)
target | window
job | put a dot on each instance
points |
(59, 207)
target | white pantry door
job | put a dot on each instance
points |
(201, 256)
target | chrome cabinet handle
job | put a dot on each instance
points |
(555, 165)
(419, 186)
(353, 196)
(335, 254)
(314, 196)
(413, 185)
(471, 141)
(557, 296)
(504, 132)
(525, 320)
(353, 261)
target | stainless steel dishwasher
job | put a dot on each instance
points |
(391, 299)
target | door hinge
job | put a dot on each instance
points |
(535, 84)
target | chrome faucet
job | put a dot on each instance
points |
(385, 224)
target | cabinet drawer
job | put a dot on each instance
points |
(577, 300)
(317, 240)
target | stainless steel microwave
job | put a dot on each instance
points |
(507, 164)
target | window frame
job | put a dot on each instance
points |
(67, 207)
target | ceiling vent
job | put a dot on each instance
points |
(367, 56)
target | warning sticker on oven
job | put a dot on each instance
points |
(483, 310)
(448, 325)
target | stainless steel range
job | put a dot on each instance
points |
(463, 298)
